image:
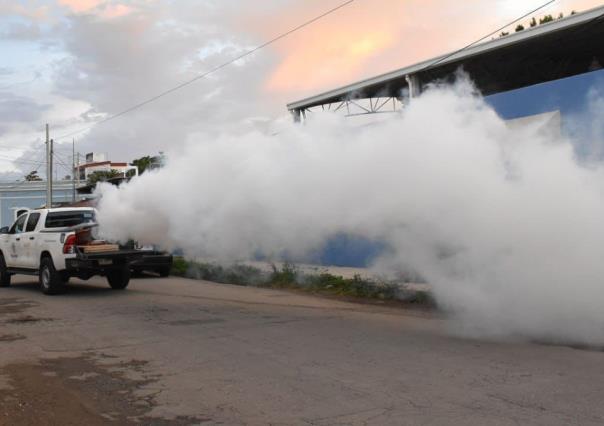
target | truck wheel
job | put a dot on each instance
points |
(4, 275)
(119, 278)
(51, 281)
(164, 272)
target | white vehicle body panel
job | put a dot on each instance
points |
(24, 246)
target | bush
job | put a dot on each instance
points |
(353, 287)
(179, 267)
(285, 277)
(289, 276)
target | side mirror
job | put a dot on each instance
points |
(4, 230)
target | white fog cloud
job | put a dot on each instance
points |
(503, 222)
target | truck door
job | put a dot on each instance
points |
(15, 246)
(29, 243)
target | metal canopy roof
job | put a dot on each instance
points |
(558, 49)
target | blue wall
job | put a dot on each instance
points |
(10, 199)
(571, 96)
(568, 95)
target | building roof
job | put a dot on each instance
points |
(546, 52)
(101, 163)
(35, 185)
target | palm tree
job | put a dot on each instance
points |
(143, 163)
(33, 177)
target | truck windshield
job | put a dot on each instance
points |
(69, 218)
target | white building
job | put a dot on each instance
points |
(97, 162)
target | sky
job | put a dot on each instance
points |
(71, 63)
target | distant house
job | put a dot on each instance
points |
(96, 162)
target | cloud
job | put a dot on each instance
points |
(80, 6)
(21, 31)
(107, 55)
(31, 10)
(102, 8)
(113, 64)
(15, 109)
(369, 38)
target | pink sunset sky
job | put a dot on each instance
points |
(72, 62)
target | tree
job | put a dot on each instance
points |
(33, 176)
(503, 34)
(533, 22)
(546, 19)
(102, 176)
(519, 28)
(143, 163)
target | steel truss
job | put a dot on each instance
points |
(356, 107)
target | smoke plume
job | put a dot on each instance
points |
(503, 221)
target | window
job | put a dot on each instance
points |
(18, 226)
(32, 222)
(67, 218)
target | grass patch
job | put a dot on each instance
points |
(288, 276)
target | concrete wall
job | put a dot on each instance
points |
(14, 197)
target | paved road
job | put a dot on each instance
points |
(174, 351)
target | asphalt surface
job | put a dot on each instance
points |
(175, 351)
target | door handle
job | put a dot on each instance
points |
(31, 238)
(18, 239)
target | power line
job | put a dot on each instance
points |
(62, 163)
(18, 184)
(439, 60)
(19, 159)
(211, 71)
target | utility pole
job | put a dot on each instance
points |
(78, 163)
(73, 171)
(48, 172)
(52, 142)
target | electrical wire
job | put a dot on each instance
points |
(444, 58)
(62, 163)
(19, 160)
(211, 71)
(18, 184)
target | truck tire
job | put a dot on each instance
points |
(118, 279)
(164, 272)
(51, 281)
(4, 275)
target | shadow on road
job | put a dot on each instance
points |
(73, 288)
(145, 275)
(77, 287)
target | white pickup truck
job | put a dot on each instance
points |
(52, 244)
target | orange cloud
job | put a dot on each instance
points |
(341, 56)
(80, 6)
(372, 37)
(101, 8)
(115, 11)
